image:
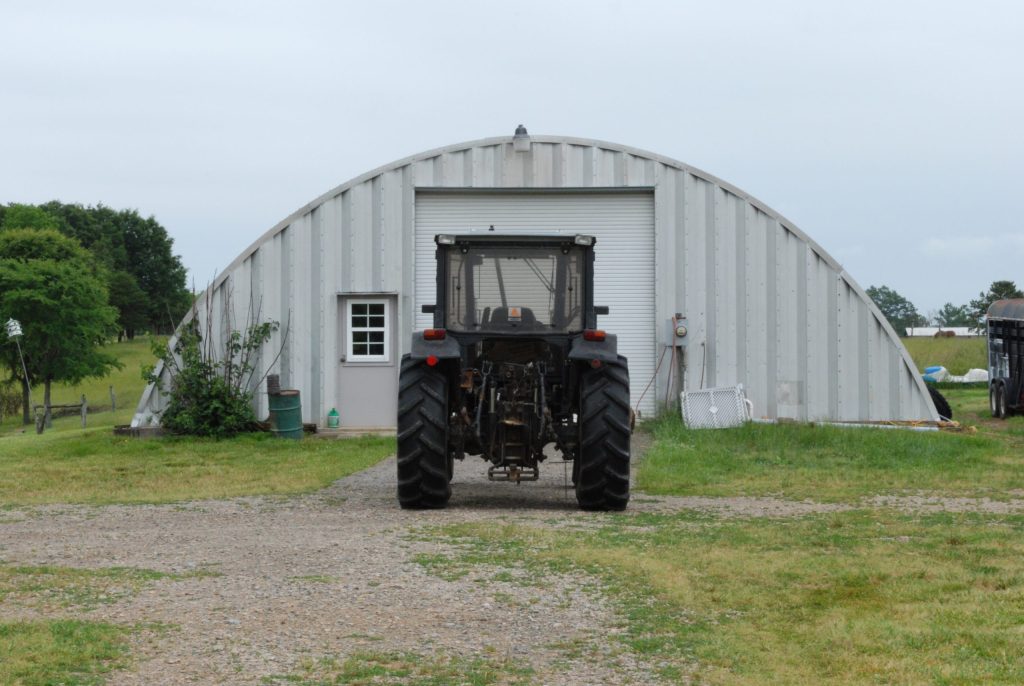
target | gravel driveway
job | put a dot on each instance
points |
(332, 573)
(319, 575)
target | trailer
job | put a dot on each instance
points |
(1005, 357)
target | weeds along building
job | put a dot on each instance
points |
(763, 304)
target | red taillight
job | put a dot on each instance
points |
(432, 360)
(434, 334)
(594, 335)
(595, 364)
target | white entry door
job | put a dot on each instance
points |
(368, 368)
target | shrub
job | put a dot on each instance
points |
(211, 395)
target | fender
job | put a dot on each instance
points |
(606, 351)
(444, 349)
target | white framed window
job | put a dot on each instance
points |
(368, 335)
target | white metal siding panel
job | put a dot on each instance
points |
(623, 224)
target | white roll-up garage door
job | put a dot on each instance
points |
(622, 222)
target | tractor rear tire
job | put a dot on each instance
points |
(602, 457)
(941, 404)
(423, 467)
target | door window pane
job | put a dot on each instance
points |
(368, 331)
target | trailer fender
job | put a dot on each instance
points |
(606, 350)
(445, 349)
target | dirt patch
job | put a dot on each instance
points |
(737, 506)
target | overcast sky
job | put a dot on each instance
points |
(891, 132)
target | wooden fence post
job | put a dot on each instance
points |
(85, 408)
(113, 400)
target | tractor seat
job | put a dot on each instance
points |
(499, 318)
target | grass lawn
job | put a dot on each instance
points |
(861, 597)
(826, 463)
(408, 669)
(868, 595)
(955, 354)
(93, 466)
(127, 382)
(67, 464)
(69, 651)
(46, 653)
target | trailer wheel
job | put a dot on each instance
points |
(997, 400)
(941, 404)
(423, 458)
(602, 459)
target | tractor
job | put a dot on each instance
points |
(514, 363)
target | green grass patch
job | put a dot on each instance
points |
(970, 405)
(850, 598)
(824, 463)
(955, 354)
(67, 652)
(408, 669)
(95, 467)
(316, 579)
(79, 587)
(127, 382)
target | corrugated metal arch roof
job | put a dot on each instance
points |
(569, 140)
(584, 142)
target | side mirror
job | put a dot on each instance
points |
(600, 309)
(429, 309)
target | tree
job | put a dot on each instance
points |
(58, 293)
(130, 301)
(999, 290)
(900, 312)
(19, 216)
(953, 315)
(121, 241)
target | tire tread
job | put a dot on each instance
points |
(603, 469)
(422, 437)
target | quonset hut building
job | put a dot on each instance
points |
(764, 305)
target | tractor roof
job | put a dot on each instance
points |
(514, 239)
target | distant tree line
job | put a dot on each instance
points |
(146, 281)
(75, 277)
(902, 314)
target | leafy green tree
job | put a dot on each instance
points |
(121, 241)
(55, 289)
(130, 301)
(900, 312)
(953, 315)
(19, 216)
(999, 290)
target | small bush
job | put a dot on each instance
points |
(211, 396)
